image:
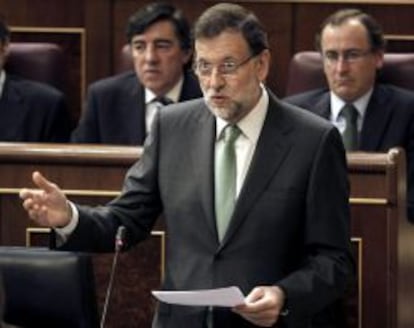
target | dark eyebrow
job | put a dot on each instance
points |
(138, 41)
(346, 50)
(169, 41)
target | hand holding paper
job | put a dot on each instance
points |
(224, 297)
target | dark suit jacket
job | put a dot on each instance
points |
(290, 226)
(388, 122)
(115, 110)
(33, 112)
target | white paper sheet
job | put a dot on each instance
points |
(225, 297)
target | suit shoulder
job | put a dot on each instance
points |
(114, 82)
(396, 92)
(191, 107)
(308, 98)
(31, 88)
(304, 117)
(309, 130)
(184, 112)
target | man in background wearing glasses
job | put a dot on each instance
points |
(369, 115)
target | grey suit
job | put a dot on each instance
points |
(290, 226)
(115, 110)
(388, 122)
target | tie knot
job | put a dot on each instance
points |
(231, 133)
(163, 100)
(350, 113)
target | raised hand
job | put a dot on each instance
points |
(47, 206)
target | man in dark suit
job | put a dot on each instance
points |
(282, 236)
(120, 109)
(352, 47)
(29, 111)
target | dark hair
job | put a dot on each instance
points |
(223, 16)
(159, 11)
(4, 30)
(374, 30)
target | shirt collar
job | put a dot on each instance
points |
(250, 125)
(2, 80)
(360, 104)
(173, 94)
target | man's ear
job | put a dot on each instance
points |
(4, 47)
(263, 63)
(379, 57)
(188, 54)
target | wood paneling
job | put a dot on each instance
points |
(100, 49)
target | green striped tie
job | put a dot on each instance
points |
(225, 179)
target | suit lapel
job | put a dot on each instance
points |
(272, 147)
(323, 107)
(133, 108)
(202, 154)
(376, 118)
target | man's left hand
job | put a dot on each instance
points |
(263, 305)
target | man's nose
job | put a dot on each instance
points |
(151, 53)
(216, 79)
(342, 64)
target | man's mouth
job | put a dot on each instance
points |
(218, 99)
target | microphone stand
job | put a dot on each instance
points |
(119, 243)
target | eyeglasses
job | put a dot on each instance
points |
(349, 56)
(228, 67)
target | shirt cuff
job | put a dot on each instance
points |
(65, 232)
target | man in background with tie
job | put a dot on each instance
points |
(241, 179)
(369, 115)
(120, 109)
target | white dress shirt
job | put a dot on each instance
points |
(2, 81)
(152, 105)
(245, 145)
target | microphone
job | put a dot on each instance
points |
(119, 238)
(119, 244)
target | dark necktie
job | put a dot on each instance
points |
(350, 134)
(164, 100)
(225, 179)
